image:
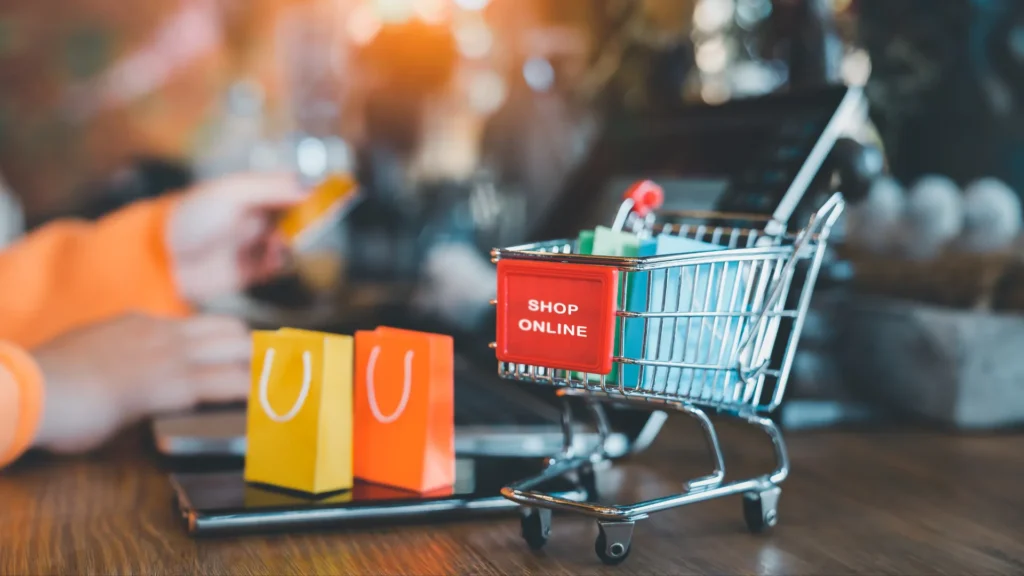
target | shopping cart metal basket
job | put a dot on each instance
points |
(691, 331)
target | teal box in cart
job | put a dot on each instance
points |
(603, 241)
(704, 288)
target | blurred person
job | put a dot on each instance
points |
(89, 85)
(96, 319)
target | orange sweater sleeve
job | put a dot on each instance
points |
(70, 274)
(21, 402)
(67, 275)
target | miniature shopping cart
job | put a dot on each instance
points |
(690, 331)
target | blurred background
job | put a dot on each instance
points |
(468, 122)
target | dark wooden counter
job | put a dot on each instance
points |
(856, 502)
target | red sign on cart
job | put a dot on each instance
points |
(556, 315)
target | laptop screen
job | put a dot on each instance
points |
(742, 156)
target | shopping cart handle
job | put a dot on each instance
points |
(646, 196)
(820, 224)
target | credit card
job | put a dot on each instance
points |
(327, 203)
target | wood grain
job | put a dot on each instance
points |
(895, 502)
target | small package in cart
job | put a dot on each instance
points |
(707, 288)
(711, 292)
(603, 241)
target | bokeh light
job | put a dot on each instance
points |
(752, 12)
(472, 4)
(394, 11)
(311, 156)
(752, 78)
(474, 39)
(712, 15)
(431, 11)
(715, 91)
(539, 74)
(487, 91)
(712, 55)
(856, 68)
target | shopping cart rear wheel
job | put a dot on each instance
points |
(760, 509)
(536, 527)
(613, 548)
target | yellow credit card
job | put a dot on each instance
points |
(326, 203)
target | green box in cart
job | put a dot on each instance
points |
(603, 241)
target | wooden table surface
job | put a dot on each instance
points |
(855, 503)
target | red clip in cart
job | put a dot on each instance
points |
(691, 332)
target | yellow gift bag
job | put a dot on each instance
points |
(299, 425)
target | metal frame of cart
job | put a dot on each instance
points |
(748, 380)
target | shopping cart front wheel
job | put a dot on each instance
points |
(536, 526)
(614, 542)
(760, 509)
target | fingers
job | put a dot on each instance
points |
(264, 191)
(253, 229)
(214, 326)
(221, 351)
(263, 262)
(102, 377)
(212, 361)
(276, 256)
(221, 382)
(214, 340)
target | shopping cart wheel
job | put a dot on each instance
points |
(536, 527)
(613, 542)
(760, 509)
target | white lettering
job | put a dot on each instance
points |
(557, 328)
(547, 327)
(556, 307)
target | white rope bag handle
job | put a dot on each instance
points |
(307, 377)
(371, 394)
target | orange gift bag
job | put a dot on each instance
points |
(404, 409)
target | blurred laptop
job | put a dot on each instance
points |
(492, 418)
(753, 155)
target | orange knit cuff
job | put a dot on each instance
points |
(26, 410)
(162, 209)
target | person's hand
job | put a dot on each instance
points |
(221, 236)
(106, 376)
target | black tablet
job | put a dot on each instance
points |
(222, 503)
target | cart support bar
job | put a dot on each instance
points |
(521, 492)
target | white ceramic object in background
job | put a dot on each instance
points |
(933, 217)
(875, 222)
(954, 367)
(992, 216)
